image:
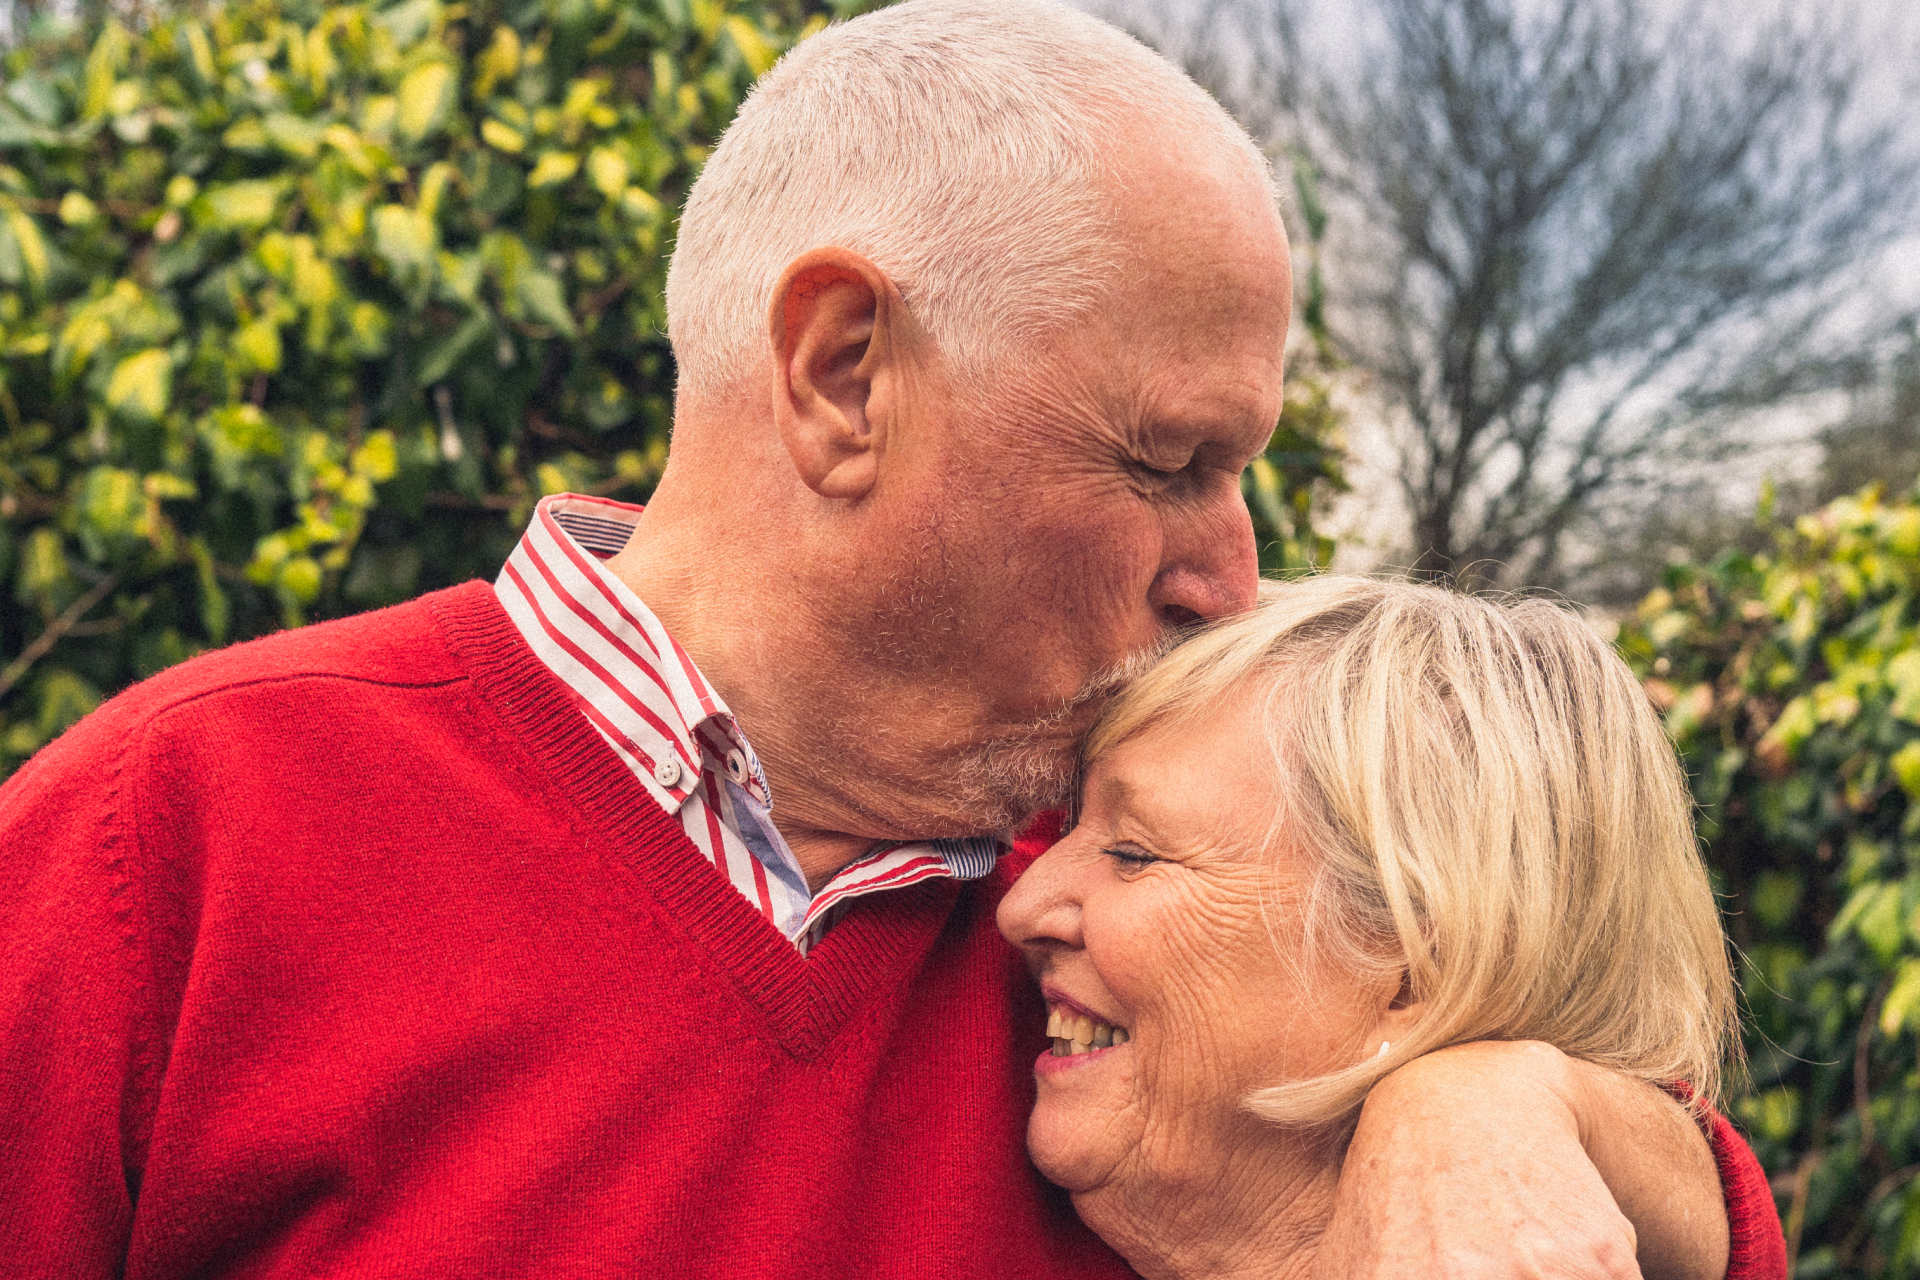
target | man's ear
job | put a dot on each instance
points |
(838, 329)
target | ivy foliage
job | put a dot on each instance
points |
(1791, 684)
(302, 306)
(1304, 463)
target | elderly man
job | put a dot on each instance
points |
(634, 913)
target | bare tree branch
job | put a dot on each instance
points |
(43, 643)
(1569, 232)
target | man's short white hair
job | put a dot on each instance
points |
(964, 146)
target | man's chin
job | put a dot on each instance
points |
(996, 789)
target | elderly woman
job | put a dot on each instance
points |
(1362, 823)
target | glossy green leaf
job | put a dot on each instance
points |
(140, 384)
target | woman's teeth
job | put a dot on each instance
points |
(1074, 1032)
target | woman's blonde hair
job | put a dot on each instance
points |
(1491, 806)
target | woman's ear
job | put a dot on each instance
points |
(1403, 997)
(836, 326)
(1401, 1014)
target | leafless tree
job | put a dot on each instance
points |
(1878, 441)
(1573, 239)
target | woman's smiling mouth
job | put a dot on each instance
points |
(1075, 1032)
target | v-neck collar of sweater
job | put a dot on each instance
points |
(805, 1001)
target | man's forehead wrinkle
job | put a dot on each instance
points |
(1064, 400)
(1203, 404)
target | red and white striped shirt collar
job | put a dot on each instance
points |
(648, 700)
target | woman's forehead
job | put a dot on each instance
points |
(1187, 772)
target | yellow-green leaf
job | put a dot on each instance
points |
(369, 326)
(500, 61)
(377, 458)
(242, 429)
(1905, 764)
(403, 238)
(502, 138)
(543, 299)
(297, 137)
(425, 96)
(321, 64)
(1879, 924)
(166, 486)
(83, 335)
(357, 151)
(753, 47)
(32, 245)
(377, 115)
(1903, 674)
(607, 171)
(140, 383)
(552, 168)
(550, 478)
(315, 285)
(111, 501)
(640, 206)
(1795, 725)
(241, 206)
(245, 135)
(200, 50)
(104, 61)
(76, 210)
(1903, 997)
(300, 578)
(1774, 896)
(1774, 1113)
(257, 343)
(43, 565)
(433, 184)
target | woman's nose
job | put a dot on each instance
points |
(1042, 908)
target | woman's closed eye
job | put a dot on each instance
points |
(1129, 859)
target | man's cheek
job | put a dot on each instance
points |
(1087, 565)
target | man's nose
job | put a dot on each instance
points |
(1210, 566)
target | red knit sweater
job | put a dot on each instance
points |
(355, 951)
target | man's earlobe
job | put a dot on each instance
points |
(831, 329)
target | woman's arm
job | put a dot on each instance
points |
(1513, 1160)
(1657, 1163)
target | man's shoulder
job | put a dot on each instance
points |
(400, 646)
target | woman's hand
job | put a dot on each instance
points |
(1487, 1161)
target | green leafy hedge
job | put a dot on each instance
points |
(1791, 683)
(302, 306)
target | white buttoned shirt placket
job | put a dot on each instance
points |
(646, 698)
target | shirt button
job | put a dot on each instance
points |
(737, 767)
(667, 772)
